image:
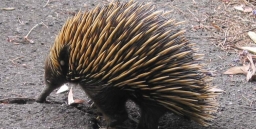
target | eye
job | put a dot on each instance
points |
(48, 81)
(62, 62)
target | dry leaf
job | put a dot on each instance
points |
(214, 89)
(216, 26)
(252, 35)
(78, 101)
(238, 70)
(252, 67)
(250, 49)
(70, 97)
(249, 75)
(247, 9)
(62, 89)
(239, 7)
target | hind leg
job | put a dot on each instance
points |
(114, 112)
(111, 103)
(150, 116)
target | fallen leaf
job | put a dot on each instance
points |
(239, 7)
(216, 26)
(70, 97)
(237, 70)
(253, 56)
(250, 49)
(71, 100)
(226, 1)
(247, 9)
(252, 67)
(252, 35)
(214, 89)
(62, 89)
(249, 75)
(78, 101)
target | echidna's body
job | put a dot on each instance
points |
(129, 51)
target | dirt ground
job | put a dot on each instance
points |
(22, 63)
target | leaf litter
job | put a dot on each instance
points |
(248, 67)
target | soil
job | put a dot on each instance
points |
(22, 66)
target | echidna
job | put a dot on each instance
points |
(131, 51)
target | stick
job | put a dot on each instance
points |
(26, 36)
(46, 3)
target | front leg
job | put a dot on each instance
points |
(111, 102)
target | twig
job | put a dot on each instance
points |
(178, 9)
(225, 39)
(197, 19)
(26, 36)
(194, 2)
(199, 37)
(21, 39)
(21, 22)
(15, 59)
(46, 3)
(247, 99)
(17, 100)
